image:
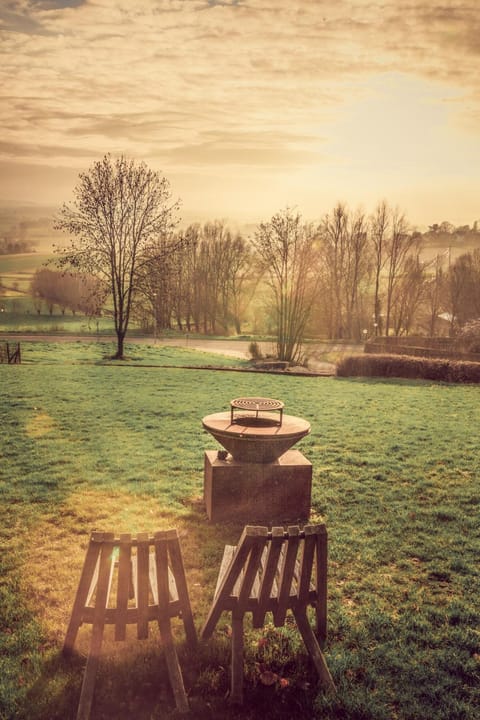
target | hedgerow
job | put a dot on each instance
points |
(403, 366)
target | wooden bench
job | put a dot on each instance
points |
(131, 580)
(273, 572)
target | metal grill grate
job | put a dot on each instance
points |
(254, 406)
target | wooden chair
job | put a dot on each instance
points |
(273, 572)
(131, 580)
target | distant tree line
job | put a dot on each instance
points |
(202, 281)
(76, 292)
(461, 231)
(14, 246)
(350, 275)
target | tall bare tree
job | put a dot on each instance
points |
(345, 269)
(120, 209)
(379, 223)
(334, 230)
(288, 252)
(408, 294)
(401, 243)
(435, 292)
(464, 287)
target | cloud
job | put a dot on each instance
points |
(32, 150)
(56, 4)
(20, 22)
(245, 149)
(265, 83)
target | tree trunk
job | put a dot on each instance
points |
(120, 338)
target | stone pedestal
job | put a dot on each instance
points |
(272, 493)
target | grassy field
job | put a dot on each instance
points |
(17, 309)
(16, 272)
(87, 444)
(26, 263)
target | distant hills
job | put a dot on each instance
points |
(29, 228)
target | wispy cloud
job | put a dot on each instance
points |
(201, 84)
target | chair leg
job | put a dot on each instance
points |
(174, 671)
(236, 695)
(89, 676)
(311, 643)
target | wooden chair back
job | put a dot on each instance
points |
(273, 571)
(131, 580)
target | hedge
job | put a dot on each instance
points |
(403, 366)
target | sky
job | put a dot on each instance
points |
(247, 106)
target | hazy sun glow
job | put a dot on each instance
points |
(247, 105)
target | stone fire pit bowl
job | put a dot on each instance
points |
(255, 439)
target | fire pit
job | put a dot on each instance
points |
(259, 478)
(256, 436)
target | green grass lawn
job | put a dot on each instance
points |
(137, 354)
(90, 444)
(22, 263)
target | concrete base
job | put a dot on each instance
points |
(270, 493)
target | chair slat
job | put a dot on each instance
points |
(267, 588)
(98, 624)
(105, 573)
(123, 585)
(252, 570)
(228, 581)
(305, 567)
(152, 577)
(228, 552)
(287, 576)
(93, 582)
(257, 581)
(178, 586)
(321, 583)
(143, 553)
(161, 560)
(81, 598)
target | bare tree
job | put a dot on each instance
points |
(400, 244)
(345, 270)
(227, 263)
(408, 294)
(434, 295)
(379, 223)
(240, 281)
(334, 241)
(288, 252)
(120, 209)
(215, 269)
(76, 291)
(464, 287)
(358, 273)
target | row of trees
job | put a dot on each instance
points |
(200, 280)
(14, 246)
(349, 275)
(76, 292)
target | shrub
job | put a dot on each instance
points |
(403, 366)
(470, 336)
(254, 350)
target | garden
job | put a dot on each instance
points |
(93, 444)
